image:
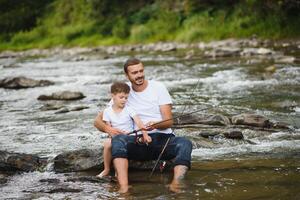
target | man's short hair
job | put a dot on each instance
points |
(129, 62)
(119, 87)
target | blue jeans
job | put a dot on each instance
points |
(178, 148)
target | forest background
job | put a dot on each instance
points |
(26, 24)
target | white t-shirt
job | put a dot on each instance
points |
(146, 103)
(122, 120)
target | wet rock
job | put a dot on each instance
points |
(251, 120)
(61, 189)
(76, 108)
(271, 69)
(285, 59)
(199, 142)
(90, 179)
(256, 51)
(51, 106)
(208, 134)
(20, 162)
(287, 104)
(3, 179)
(11, 66)
(50, 180)
(222, 52)
(23, 82)
(281, 125)
(64, 95)
(234, 134)
(62, 110)
(78, 160)
(218, 120)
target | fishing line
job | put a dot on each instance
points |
(167, 142)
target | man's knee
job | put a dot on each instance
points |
(183, 152)
(184, 144)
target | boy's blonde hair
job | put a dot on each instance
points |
(119, 87)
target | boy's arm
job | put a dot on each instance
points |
(102, 126)
(139, 123)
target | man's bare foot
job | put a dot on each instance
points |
(103, 174)
(176, 187)
(123, 189)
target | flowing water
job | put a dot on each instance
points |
(270, 169)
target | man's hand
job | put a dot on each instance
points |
(150, 126)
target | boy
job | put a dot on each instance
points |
(119, 116)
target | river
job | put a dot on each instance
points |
(268, 169)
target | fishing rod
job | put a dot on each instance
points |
(167, 142)
(166, 120)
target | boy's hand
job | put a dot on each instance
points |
(147, 139)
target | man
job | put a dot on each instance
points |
(153, 104)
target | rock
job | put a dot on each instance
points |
(222, 52)
(218, 120)
(287, 104)
(3, 179)
(264, 51)
(281, 125)
(78, 160)
(51, 106)
(271, 69)
(76, 108)
(20, 162)
(62, 110)
(256, 51)
(90, 179)
(13, 65)
(208, 134)
(62, 189)
(50, 180)
(285, 59)
(251, 120)
(23, 82)
(234, 134)
(64, 95)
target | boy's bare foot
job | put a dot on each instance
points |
(103, 174)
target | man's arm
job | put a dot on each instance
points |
(102, 126)
(166, 113)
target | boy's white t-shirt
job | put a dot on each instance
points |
(122, 120)
(146, 103)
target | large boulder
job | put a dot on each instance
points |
(64, 95)
(20, 162)
(23, 82)
(219, 120)
(78, 160)
(251, 120)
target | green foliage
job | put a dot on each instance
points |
(94, 22)
(20, 15)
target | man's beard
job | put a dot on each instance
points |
(138, 79)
